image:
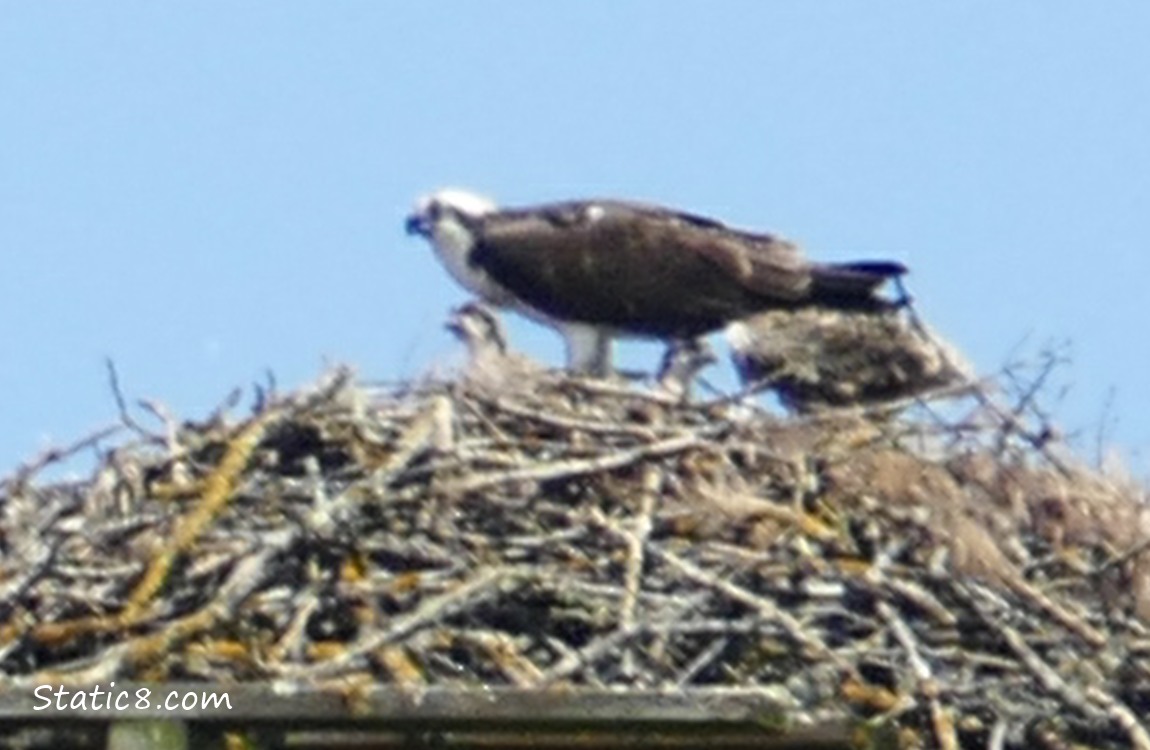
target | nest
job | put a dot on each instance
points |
(956, 578)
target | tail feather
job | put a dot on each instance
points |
(856, 284)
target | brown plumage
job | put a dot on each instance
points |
(816, 358)
(596, 270)
(654, 272)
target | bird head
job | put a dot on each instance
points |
(447, 204)
(478, 328)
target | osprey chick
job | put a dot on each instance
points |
(601, 269)
(489, 362)
(815, 359)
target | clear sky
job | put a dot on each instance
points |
(204, 191)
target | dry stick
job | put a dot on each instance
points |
(637, 537)
(1063, 617)
(571, 423)
(493, 431)
(712, 626)
(608, 388)
(36, 565)
(15, 588)
(997, 740)
(219, 414)
(291, 643)
(902, 633)
(636, 541)
(1046, 675)
(701, 661)
(56, 455)
(515, 667)
(576, 660)
(1028, 395)
(1121, 715)
(575, 467)
(1010, 418)
(921, 598)
(218, 487)
(1011, 422)
(247, 576)
(943, 722)
(573, 661)
(122, 404)
(437, 607)
(766, 608)
(171, 436)
(427, 431)
(886, 407)
(1121, 558)
(36, 551)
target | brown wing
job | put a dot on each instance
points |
(638, 268)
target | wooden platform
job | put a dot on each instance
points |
(264, 716)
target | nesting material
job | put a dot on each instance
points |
(574, 532)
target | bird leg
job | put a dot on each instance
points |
(588, 349)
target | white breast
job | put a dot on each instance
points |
(453, 243)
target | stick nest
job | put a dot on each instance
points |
(945, 570)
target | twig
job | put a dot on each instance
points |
(1060, 614)
(576, 467)
(927, 687)
(51, 456)
(481, 585)
(816, 648)
(122, 404)
(1043, 672)
(1121, 715)
(636, 541)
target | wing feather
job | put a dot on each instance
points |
(637, 267)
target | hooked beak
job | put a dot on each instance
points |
(454, 324)
(418, 223)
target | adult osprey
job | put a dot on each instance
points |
(600, 269)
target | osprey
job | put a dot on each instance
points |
(600, 269)
(480, 331)
(816, 359)
(489, 362)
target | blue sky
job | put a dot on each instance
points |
(208, 190)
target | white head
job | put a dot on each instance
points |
(446, 204)
(450, 221)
